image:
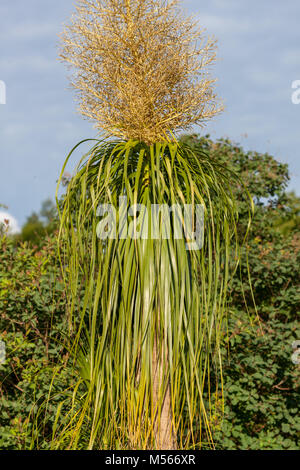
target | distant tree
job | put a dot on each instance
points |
(48, 211)
(38, 226)
(289, 220)
(33, 230)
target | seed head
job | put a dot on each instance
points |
(140, 67)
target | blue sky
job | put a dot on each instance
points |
(259, 52)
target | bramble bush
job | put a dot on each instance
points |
(261, 382)
(32, 324)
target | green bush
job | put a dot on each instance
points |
(261, 383)
(32, 318)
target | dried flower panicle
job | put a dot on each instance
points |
(141, 67)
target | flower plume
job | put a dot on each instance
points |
(140, 67)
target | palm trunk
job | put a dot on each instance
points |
(165, 438)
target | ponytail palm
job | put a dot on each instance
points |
(146, 340)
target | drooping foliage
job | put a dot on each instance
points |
(147, 297)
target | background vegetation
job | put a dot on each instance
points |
(260, 380)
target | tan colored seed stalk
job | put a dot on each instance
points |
(140, 68)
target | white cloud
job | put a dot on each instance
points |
(10, 222)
